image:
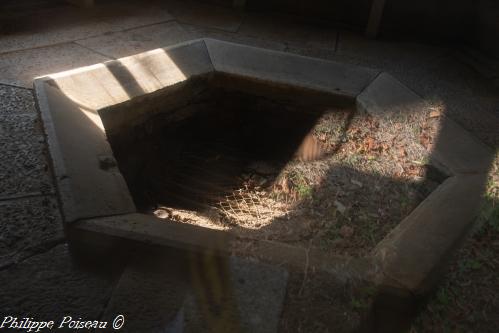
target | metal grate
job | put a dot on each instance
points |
(250, 207)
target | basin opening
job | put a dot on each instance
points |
(200, 156)
(296, 167)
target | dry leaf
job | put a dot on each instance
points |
(346, 231)
(402, 152)
(435, 114)
(370, 143)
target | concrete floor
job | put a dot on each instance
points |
(37, 272)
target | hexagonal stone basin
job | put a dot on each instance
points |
(213, 115)
(217, 135)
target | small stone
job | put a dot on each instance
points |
(107, 162)
(356, 182)
(162, 213)
(263, 168)
(340, 207)
(346, 231)
(261, 181)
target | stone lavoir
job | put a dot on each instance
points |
(118, 129)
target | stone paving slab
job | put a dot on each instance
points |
(24, 168)
(64, 24)
(26, 224)
(19, 124)
(256, 293)
(175, 293)
(206, 15)
(321, 53)
(448, 72)
(385, 54)
(200, 32)
(130, 42)
(393, 57)
(260, 291)
(50, 286)
(289, 30)
(20, 68)
(16, 101)
(149, 294)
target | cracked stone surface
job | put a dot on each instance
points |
(24, 168)
(20, 68)
(28, 223)
(52, 285)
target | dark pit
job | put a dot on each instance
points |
(199, 156)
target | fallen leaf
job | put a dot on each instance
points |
(346, 231)
(435, 114)
(370, 143)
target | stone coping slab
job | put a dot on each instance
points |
(95, 196)
(411, 254)
(149, 229)
(280, 67)
(457, 150)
